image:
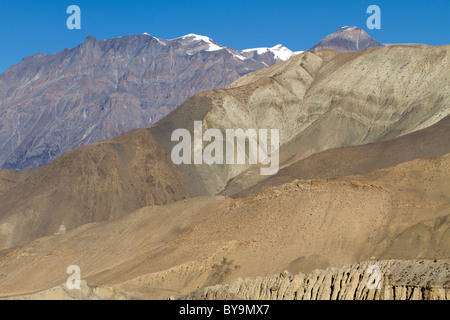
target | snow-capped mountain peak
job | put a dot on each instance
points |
(348, 28)
(347, 39)
(159, 40)
(279, 51)
(194, 43)
(212, 45)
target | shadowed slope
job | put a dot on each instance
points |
(96, 182)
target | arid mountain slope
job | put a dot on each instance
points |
(96, 182)
(10, 178)
(171, 250)
(320, 101)
(428, 142)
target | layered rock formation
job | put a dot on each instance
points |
(399, 280)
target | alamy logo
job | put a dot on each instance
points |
(374, 21)
(74, 21)
(74, 281)
(235, 143)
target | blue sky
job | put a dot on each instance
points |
(28, 27)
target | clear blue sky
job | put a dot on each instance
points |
(28, 27)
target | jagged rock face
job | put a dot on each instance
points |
(347, 39)
(399, 280)
(50, 104)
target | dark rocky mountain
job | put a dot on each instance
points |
(50, 104)
(347, 39)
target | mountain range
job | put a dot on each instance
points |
(50, 104)
(364, 176)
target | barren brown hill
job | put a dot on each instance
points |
(97, 182)
(171, 250)
(429, 142)
(10, 178)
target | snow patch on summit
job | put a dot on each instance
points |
(279, 51)
(212, 46)
(149, 35)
